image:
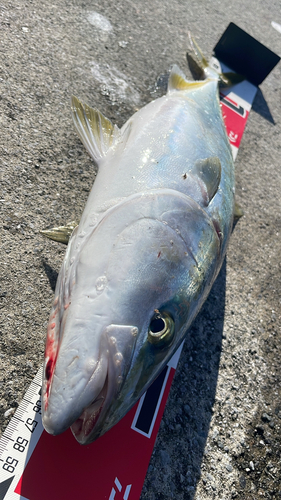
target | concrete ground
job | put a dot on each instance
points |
(220, 435)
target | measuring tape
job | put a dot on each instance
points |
(20, 438)
(29, 457)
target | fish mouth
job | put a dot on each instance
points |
(85, 424)
(91, 423)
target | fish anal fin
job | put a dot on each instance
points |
(96, 131)
(178, 81)
(209, 172)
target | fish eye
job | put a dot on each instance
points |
(161, 329)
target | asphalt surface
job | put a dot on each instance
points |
(220, 435)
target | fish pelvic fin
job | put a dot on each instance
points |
(238, 211)
(61, 234)
(96, 131)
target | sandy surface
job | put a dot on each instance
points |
(220, 435)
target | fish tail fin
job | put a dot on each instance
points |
(199, 64)
(200, 59)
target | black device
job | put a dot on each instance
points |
(245, 55)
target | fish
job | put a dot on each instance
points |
(141, 262)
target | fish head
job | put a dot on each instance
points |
(125, 296)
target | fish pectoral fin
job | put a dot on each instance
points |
(96, 131)
(209, 171)
(61, 234)
(238, 211)
(178, 81)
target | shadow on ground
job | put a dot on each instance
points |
(181, 441)
(51, 274)
(261, 107)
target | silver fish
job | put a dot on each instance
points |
(142, 261)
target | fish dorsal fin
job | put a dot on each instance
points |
(178, 81)
(209, 171)
(96, 132)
